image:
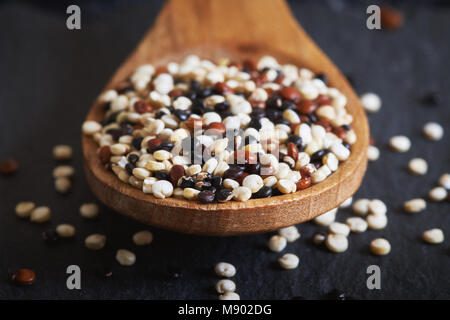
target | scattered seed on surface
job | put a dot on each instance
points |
(40, 215)
(380, 246)
(63, 172)
(377, 207)
(444, 181)
(62, 152)
(319, 238)
(229, 296)
(347, 203)
(373, 153)
(415, 205)
(356, 224)
(89, 210)
(24, 276)
(63, 185)
(400, 143)
(371, 102)
(418, 166)
(8, 166)
(65, 230)
(339, 228)
(225, 285)
(95, 241)
(336, 243)
(125, 257)
(143, 238)
(224, 269)
(376, 222)
(290, 233)
(361, 207)
(437, 194)
(289, 261)
(24, 209)
(326, 218)
(433, 131)
(433, 236)
(277, 243)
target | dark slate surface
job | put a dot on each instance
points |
(50, 76)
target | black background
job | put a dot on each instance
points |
(50, 76)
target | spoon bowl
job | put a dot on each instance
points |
(258, 28)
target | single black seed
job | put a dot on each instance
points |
(187, 182)
(198, 106)
(133, 158)
(161, 175)
(346, 127)
(195, 85)
(115, 133)
(204, 93)
(264, 192)
(318, 155)
(168, 146)
(216, 182)
(225, 114)
(274, 101)
(126, 129)
(254, 168)
(206, 196)
(181, 114)
(202, 185)
(137, 143)
(129, 167)
(191, 95)
(255, 123)
(431, 98)
(233, 173)
(107, 106)
(222, 106)
(312, 117)
(159, 115)
(276, 192)
(323, 77)
(287, 105)
(282, 121)
(112, 117)
(224, 195)
(295, 140)
(258, 113)
(273, 114)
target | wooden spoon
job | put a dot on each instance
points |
(237, 29)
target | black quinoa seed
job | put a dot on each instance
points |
(115, 133)
(233, 173)
(264, 192)
(287, 105)
(318, 155)
(137, 143)
(133, 158)
(274, 101)
(224, 195)
(129, 167)
(162, 175)
(273, 114)
(216, 182)
(181, 114)
(222, 106)
(255, 123)
(254, 168)
(295, 140)
(198, 107)
(206, 196)
(168, 146)
(187, 182)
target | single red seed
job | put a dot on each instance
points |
(8, 166)
(340, 132)
(306, 106)
(194, 123)
(292, 150)
(327, 125)
(250, 64)
(24, 276)
(221, 87)
(176, 172)
(143, 107)
(105, 154)
(304, 183)
(290, 93)
(161, 69)
(216, 128)
(391, 18)
(323, 100)
(175, 93)
(153, 144)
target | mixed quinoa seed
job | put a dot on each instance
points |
(213, 133)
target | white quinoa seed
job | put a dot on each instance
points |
(162, 189)
(95, 241)
(415, 205)
(277, 243)
(433, 131)
(371, 102)
(229, 296)
(24, 209)
(63, 185)
(400, 143)
(377, 207)
(91, 127)
(63, 172)
(356, 224)
(225, 285)
(318, 239)
(437, 194)
(224, 269)
(125, 257)
(361, 206)
(339, 228)
(142, 238)
(326, 218)
(373, 153)
(336, 243)
(254, 182)
(290, 233)
(89, 210)
(433, 236)
(65, 230)
(242, 194)
(380, 247)
(347, 203)
(444, 181)
(418, 166)
(40, 215)
(62, 152)
(376, 222)
(289, 261)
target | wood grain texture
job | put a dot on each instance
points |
(235, 29)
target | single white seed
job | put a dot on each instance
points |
(63, 172)
(415, 205)
(162, 189)
(339, 228)
(318, 239)
(326, 218)
(290, 233)
(433, 131)
(380, 247)
(433, 236)
(373, 153)
(418, 166)
(376, 222)
(400, 143)
(224, 269)
(254, 182)
(24, 209)
(65, 230)
(347, 203)
(361, 207)
(277, 243)
(229, 296)
(40, 215)
(356, 224)
(125, 257)
(91, 127)
(289, 261)
(63, 185)
(444, 181)
(62, 152)
(225, 285)
(371, 102)
(336, 243)
(242, 194)
(377, 207)
(89, 210)
(437, 194)
(143, 238)
(95, 241)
